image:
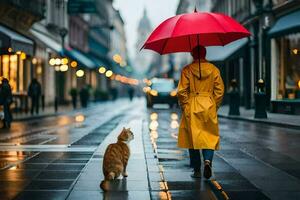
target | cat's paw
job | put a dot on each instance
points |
(125, 174)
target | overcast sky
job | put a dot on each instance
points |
(132, 11)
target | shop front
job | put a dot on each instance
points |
(16, 53)
(285, 64)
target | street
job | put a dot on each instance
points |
(60, 157)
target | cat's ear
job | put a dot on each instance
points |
(124, 129)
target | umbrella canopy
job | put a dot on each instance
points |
(182, 33)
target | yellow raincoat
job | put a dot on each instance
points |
(199, 100)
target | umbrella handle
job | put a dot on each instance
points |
(199, 64)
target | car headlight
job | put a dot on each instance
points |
(153, 92)
(173, 93)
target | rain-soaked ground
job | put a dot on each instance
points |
(43, 158)
(256, 161)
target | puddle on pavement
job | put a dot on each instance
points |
(13, 157)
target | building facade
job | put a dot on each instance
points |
(270, 54)
(51, 40)
(143, 58)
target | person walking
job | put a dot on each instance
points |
(130, 92)
(6, 100)
(34, 92)
(200, 93)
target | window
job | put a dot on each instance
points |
(289, 67)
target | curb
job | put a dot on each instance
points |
(261, 121)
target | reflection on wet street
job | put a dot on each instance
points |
(44, 161)
(41, 158)
(251, 154)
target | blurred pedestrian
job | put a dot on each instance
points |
(5, 100)
(200, 93)
(130, 92)
(84, 96)
(73, 93)
(34, 92)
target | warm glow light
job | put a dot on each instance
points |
(57, 61)
(13, 58)
(9, 49)
(118, 77)
(153, 116)
(117, 58)
(154, 134)
(295, 51)
(123, 64)
(153, 125)
(23, 56)
(149, 83)
(12, 168)
(57, 68)
(102, 70)
(52, 61)
(80, 73)
(64, 61)
(109, 73)
(64, 68)
(299, 84)
(174, 124)
(73, 64)
(39, 70)
(79, 118)
(34, 61)
(146, 89)
(153, 92)
(174, 116)
(173, 93)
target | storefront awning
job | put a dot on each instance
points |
(16, 41)
(219, 53)
(287, 24)
(49, 42)
(80, 57)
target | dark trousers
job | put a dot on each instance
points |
(35, 105)
(195, 158)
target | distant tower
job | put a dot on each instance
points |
(143, 58)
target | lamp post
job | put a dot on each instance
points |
(265, 19)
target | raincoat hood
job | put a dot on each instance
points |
(206, 70)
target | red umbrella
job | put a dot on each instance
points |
(182, 33)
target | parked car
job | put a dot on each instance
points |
(161, 91)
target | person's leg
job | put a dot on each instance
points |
(32, 104)
(37, 105)
(208, 157)
(208, 154)
(196, 162)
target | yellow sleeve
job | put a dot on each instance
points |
(218, 88)
(183, 89)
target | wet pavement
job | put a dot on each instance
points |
(60, 157)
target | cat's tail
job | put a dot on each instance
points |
(103, 184)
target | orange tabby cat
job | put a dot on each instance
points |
(116, 157)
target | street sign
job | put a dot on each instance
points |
(81, 6)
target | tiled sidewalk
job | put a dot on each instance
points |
(135, 186)
(285, 120)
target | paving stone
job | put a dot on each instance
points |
(49, 185)
(45, 195)
(57, 175)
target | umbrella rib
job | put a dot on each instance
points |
(164, 46)
(165, 43)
